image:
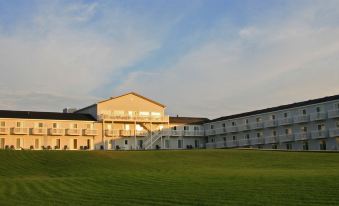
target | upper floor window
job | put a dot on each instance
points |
(285, 114)
(2, 124)
(247, 136)
(274, 132)
(39, 125)
(321, 126)
(288, 131)
(273, 117)
(144, 113)
(223, 125)
(233, 124)
(303, 112)
(19, 124)
(74, 126)
(234, 137)
(304, 129)
(89, 126)
(127, 127)
(196, 128)
(259, 134)
(174, 128)
(258, 119)
(337, 124)
(186, 128)
(55, 125)
(224, 139)
(318, 109)
(157, 114)
(246, 121)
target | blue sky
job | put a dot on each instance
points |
(198, 57)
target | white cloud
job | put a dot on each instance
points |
(291, 59)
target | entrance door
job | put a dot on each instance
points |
(140, 144)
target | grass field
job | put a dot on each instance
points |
(197, 177)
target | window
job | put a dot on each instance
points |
(144, 114)
(258, 119)
(303, 112)
(246, 121)
(127, 127)
(223, 125)
(234, 138)
(2, 124)
(167, 144)
(212, 140)
(224, 139)
(186, 128)
(180, 143)
(233, 124)
(322, 145)
(274, 146)
(337, 124)
(321, 127)
(288, 131)
(285, 114)
(212, 126)
(89, 126)
(259, 134)
(39, 125)
(289, 146)
(157, 114)
(19, 124)
(74, 126)
(126, 142)
(318, 109)
(55, 125)
(303, 129)
(196, 143)
(247, 136)
(305, 145)
(274, 133)
(196, 128)
(174, 128)
(273, 117)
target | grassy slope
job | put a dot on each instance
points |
(205, 177)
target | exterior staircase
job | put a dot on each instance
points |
(151, 139)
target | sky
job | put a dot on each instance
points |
(205, 58)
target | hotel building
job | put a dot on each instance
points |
(134, 122)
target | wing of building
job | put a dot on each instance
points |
(134, 122)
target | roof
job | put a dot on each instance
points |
(45, 115)
(282, 107)
(188, 120)
(134, 93)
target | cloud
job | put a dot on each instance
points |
(262, 64)
(65, 50)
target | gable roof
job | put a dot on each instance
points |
(45, 115)
(136, 94)
(282, 107)
(188, 120)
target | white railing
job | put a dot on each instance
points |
(73, 132)
(56, 131)
(286, 138)
(210, 145)
(91, 132)
(232, 143)
(301, 118)
(244, 142)
(134, 118)
(319, 134)
(39, 131)
(271, 139)
(285, 121)
(257, 125)
(255, 141)
(333, 113)
(20, 130)
(334, 132)
(210, 132)
(271, 123)
(302, 136)
(221, 130)
(244, 127)
(318, 116)
(4, 130)
(220, 144)
(232, 129)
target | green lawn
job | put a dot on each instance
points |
(197, 177)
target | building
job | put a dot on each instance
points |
(134, 122)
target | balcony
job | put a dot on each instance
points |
(244, 127)
(39, 131)
(333, 114)
(56, 131)
(257, 125)
(232, 129)
(193, 133)
(220, 144)
(73, 132)
(210, 132)
(244, 142)
(210, 145)
(271, 123)
(221, 130)
(127, 118)
(286, 138)
(20, 130)
(4, 130)
(232, 143)
(302, 136)
(319, 134)
(256, 141)
(91, 132)
(301, 118)
(334, 132)
(318, 116)
(271, 140)
(285, 121)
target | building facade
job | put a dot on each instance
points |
(134, 122)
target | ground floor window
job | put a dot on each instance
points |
(126, 142)
(2, 143)
(167, 143)
(75, 144)
(322, 145)
(305, 145)
(274, 146)
(288, 146)
(196, 143)
(36, 144)
(18, 143)
(180, 143)
(140, 143)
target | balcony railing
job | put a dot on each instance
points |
(244, 127)
(210, 145)
(56, 131)
(271, 123)
(210, 132)
(302, 136)
(20, 130)
(285, 121)
(334, 132)
(286, 138)
(232, 143)
(333, 113)
(220, 130)
(271, 140)
(73, 132)
(319, 134)
(244, 142)
(255, 141)
(257, 125)
(301, 118)
(134, 118)
(191, 133)
(4, 130)
(39, 131)
(232, 129)
(91, 132)
(318, 116)
(220, 144)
